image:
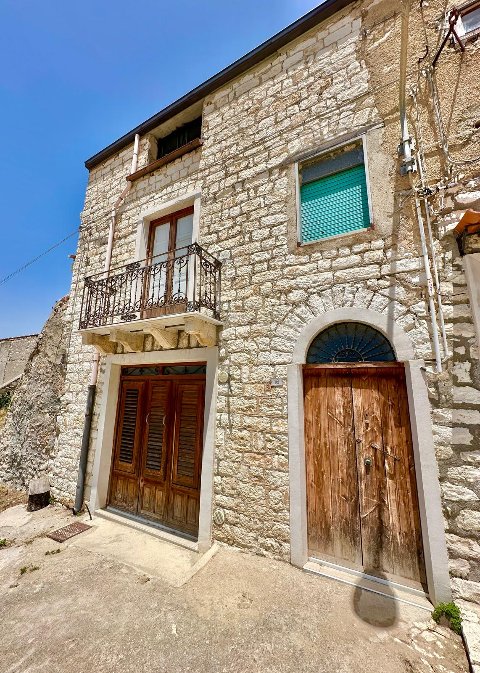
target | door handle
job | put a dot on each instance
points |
(367, 462)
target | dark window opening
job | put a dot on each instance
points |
(180, 137)
(165, 370)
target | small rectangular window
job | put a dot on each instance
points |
(333, 194)
(180, 137)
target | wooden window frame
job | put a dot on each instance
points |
(169, 254)
(173, 219)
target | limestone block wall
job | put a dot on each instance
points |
(456, 394)
(14, 354)
(338, 79)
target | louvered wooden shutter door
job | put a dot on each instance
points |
(155, 449)
(189, 426)
(128, 426)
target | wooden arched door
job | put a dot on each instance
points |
(362, 502)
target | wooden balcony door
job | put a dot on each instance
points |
(166, 289)
(156, 467)
(362, 504)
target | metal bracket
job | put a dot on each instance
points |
(407, 165)
(452, 20)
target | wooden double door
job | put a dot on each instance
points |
(362, 503)
(156, 465)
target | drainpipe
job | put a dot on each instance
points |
(82, 467)
(436, 276)
(428, 274)
(408, 166)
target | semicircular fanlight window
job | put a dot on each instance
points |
(350, 342)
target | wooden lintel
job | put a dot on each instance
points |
(131, 342)
(163, 338)
(155, 165)
(205, 332)
(100, 342)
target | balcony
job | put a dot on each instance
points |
(179, 290)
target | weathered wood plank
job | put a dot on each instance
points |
(319, 509)
(362, 504)
(407, 548)
(374, 516)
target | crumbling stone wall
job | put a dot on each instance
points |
(27, 438)
(14, 355)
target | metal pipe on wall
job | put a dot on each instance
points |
(428, 274)
(423, 183)
(83, 460)
(405, 149)
(409, 165)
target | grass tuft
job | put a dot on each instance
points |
(452, 614)
(28, 569)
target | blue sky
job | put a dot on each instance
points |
(75, 76)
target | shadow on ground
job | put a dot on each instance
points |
(374, 608)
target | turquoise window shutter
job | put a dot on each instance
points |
(335, 204)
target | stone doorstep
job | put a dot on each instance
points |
(142, 549)
(358, 580)
(145, 528)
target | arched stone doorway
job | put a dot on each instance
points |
(362, 504)
(344, 380)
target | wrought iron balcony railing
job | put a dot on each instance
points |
(181, 281)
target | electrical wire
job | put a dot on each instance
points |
(35, 259)
(427, 71)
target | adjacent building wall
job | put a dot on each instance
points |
(14, 354)
(445, 124)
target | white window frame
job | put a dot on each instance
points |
(318, 154)
(466, 9)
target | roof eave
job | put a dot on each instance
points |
(240, 66)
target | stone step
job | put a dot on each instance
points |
(382, 587)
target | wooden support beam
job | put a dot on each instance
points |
(205, 332)
(165, 339)
(101, 343)
(132, 342)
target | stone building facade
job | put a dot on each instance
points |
(330, 81)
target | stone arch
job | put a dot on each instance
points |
(433, 532)
(398, 338)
